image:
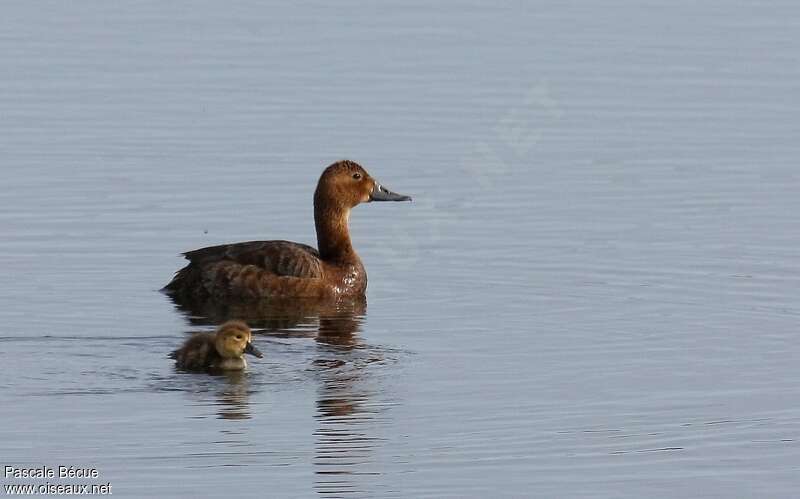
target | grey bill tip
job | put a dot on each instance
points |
(381, 193)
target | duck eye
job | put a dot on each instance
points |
(357, 176)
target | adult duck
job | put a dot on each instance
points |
(283, 269)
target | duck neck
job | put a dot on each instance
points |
(333, 234)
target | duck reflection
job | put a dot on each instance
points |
(279, 318)
(346, 413)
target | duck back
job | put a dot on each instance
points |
(254, 269)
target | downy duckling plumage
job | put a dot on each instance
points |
(222, 350)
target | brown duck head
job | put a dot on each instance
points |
(341, 187)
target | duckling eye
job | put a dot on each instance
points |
(238, 337)
(357, 176)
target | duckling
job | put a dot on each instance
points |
(223, 350)
(283, 269)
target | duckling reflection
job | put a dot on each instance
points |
(234, 397)
(228, 392)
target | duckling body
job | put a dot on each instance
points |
(284, 269)
(222, 350)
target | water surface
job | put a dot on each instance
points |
(594, 293)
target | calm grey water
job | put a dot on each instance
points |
(594, 294)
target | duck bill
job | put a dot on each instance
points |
(253, 350)
(381, 193)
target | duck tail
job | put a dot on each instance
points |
(181, 282)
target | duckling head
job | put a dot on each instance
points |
(347, 184)
(233, 340)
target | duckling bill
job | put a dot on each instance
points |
(222, 350)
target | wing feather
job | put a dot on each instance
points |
(248, 269)
(282, 258)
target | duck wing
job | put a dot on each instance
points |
(282, 258)
(249, 269)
